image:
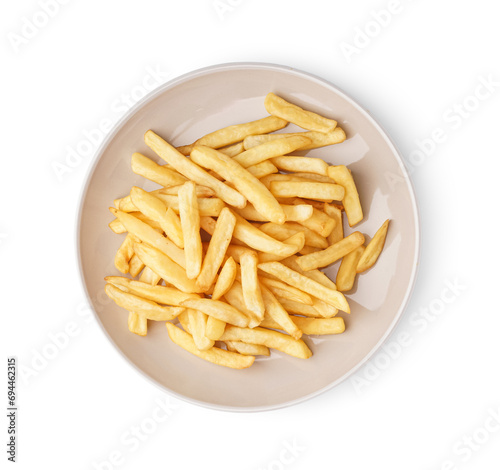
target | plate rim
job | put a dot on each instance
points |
(269, 67)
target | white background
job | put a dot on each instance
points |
(415, 410)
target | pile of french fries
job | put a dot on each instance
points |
(229, 249)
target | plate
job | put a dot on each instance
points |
(200, 102)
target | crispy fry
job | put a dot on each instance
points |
(125, 253)
(217, 356)
(318, 191)
(226, 278)
(232, 150)
(192, 171)
(208, 207)
(215, 328)
(279, 107)
(234, 296)
(289, 276)
(318, 139)
(232, 134)
(300, 212)
(314, 274)
(151, 310)
(218, 309)
(135, 266)
(147, 168)
(274, 148)
(335, 213)
(270, 338)
(247, 349)
(281, 232)
(332, 253)
(167, 269)
(309, 249)
(262, 169)
(351, 202)
(190, 223)
(243, 181)
(373, 249)
(311, 326)
(250, 284)
(297, 240)
(302, 309)
(347, 270)
(280, 289)
(306, 164)
(201, 191)
(219, 242)
(198, 325)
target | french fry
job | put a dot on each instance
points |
(282, 232)
(337, 233)
(232, 150)
(318, 191)
(155, 209)
(208, 207)
(277, 313)
(217, 356)
(149, 235)
(192, 171)
(318, 139)
(165, 267)
(262, 169)
(309, 249)
(138, 324)
(311, 326)
(280, 289)
(314, 274)
(305, 164)
(253, 190)
(347, 270)
(125, 253)
(271, 149)
(118, 227)
(267, 180)
(314, 176)
(219, 310)
(158, 294)
(190, 223)
(325, 310)
(217, 248)
(300, 212)
(277, 106)
(201, 191)
(215, 328)
(151, 310)
(289, 276)
(250, 284)
(234, 297)
(297, 240)
(232, 134)
(226, 278)
(198, 325)
(135, 266)
(247, 349)
(270, 338)
(332, 253)
(149, 169)
(373, 249)
(352, 205)
(296, 307)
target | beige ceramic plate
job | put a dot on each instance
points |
(202, 101)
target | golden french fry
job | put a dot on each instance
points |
(226, 278)
(270, 338)
(151, 310)
(274, 148)
(192, 171)
(247, 349)
(215, 328)
(165, 267)
(309, 249)
(218, 309)
(149, 169)
(190, 223)
(262, 169)
(280, 289)
(352, 205)
(300, 212)
(267, 180)
(318, 139)
(198, 325)
(311, 326)
(243, 181)
(235, 251)
(125, 254)
(277, 106)
(282, 232)
(216, 252)
(159, 294)
(319, 222)
(236, 133)
(217, 356)
(118, 227)
(314, 274)
(313, 176)
(232, 150)
(135, 266)
(338, 230)
(297, 240)
(277, 313)
(318, 191)
(149, 235)
(234, 297)
(373, 249)
(305, 164)
(347, 270)
(289, 276)
(296, 307)
(208, 207)
(201, 191)
(325, 310)
(250, 284)
(332, 253)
